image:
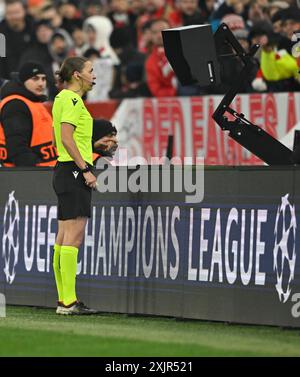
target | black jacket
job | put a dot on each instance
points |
(16, 43)
(17, 124)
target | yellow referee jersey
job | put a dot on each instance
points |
(68, 107)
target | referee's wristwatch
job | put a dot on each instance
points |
(86, 169)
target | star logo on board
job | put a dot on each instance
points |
(284, 253)
(10, 238)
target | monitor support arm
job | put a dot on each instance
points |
(247, 134)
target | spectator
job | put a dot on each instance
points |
(79, 39)
(161, 79)
(34, 8)
(19, 32)
(238, 7)
(258, 11)
(291, 21)
(145, 44)
(98, 30)
(276, 6)
(105, 74)
(121, 42)
(105, 141)
(278, 68)
(125, 50)
(49, 13)
(60, 46)
(136, 7)
(92, 8)
(26, 124)
(187, 13)
(123, 23)
(154, 10)
(206, 8)
(277, 21)
(277, 24)
(68, 9)
(133, 83)
(39, 52)
(92, 54)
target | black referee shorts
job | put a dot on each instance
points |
(74, 196)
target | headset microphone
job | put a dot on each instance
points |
(89, 81)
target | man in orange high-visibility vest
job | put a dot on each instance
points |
(26, 125)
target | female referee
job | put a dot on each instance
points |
(73, 179)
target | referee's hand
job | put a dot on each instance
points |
(90, 179)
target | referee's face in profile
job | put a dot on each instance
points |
(87, 76)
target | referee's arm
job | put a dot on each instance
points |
(67, 139)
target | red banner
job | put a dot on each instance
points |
(195, 132)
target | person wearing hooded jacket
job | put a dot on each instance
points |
(59, 46)
(26, 125)
(98, 30)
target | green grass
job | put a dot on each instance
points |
(40, 332)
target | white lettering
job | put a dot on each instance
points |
(231, 274)
(192, 272)
(203, 272)
(89, 242)
(175, 268)
(129, 241)
(101, 252)
(41, 238)
(115, 244)
(162, 242)
(29, 259)
(217, 250)
(260, 277)
(149, 245)
(246, 275)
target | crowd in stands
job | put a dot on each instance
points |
(123, 39)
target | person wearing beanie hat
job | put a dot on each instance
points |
(104, 139)
(26, 125)
(30, 70)
(101, 129)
